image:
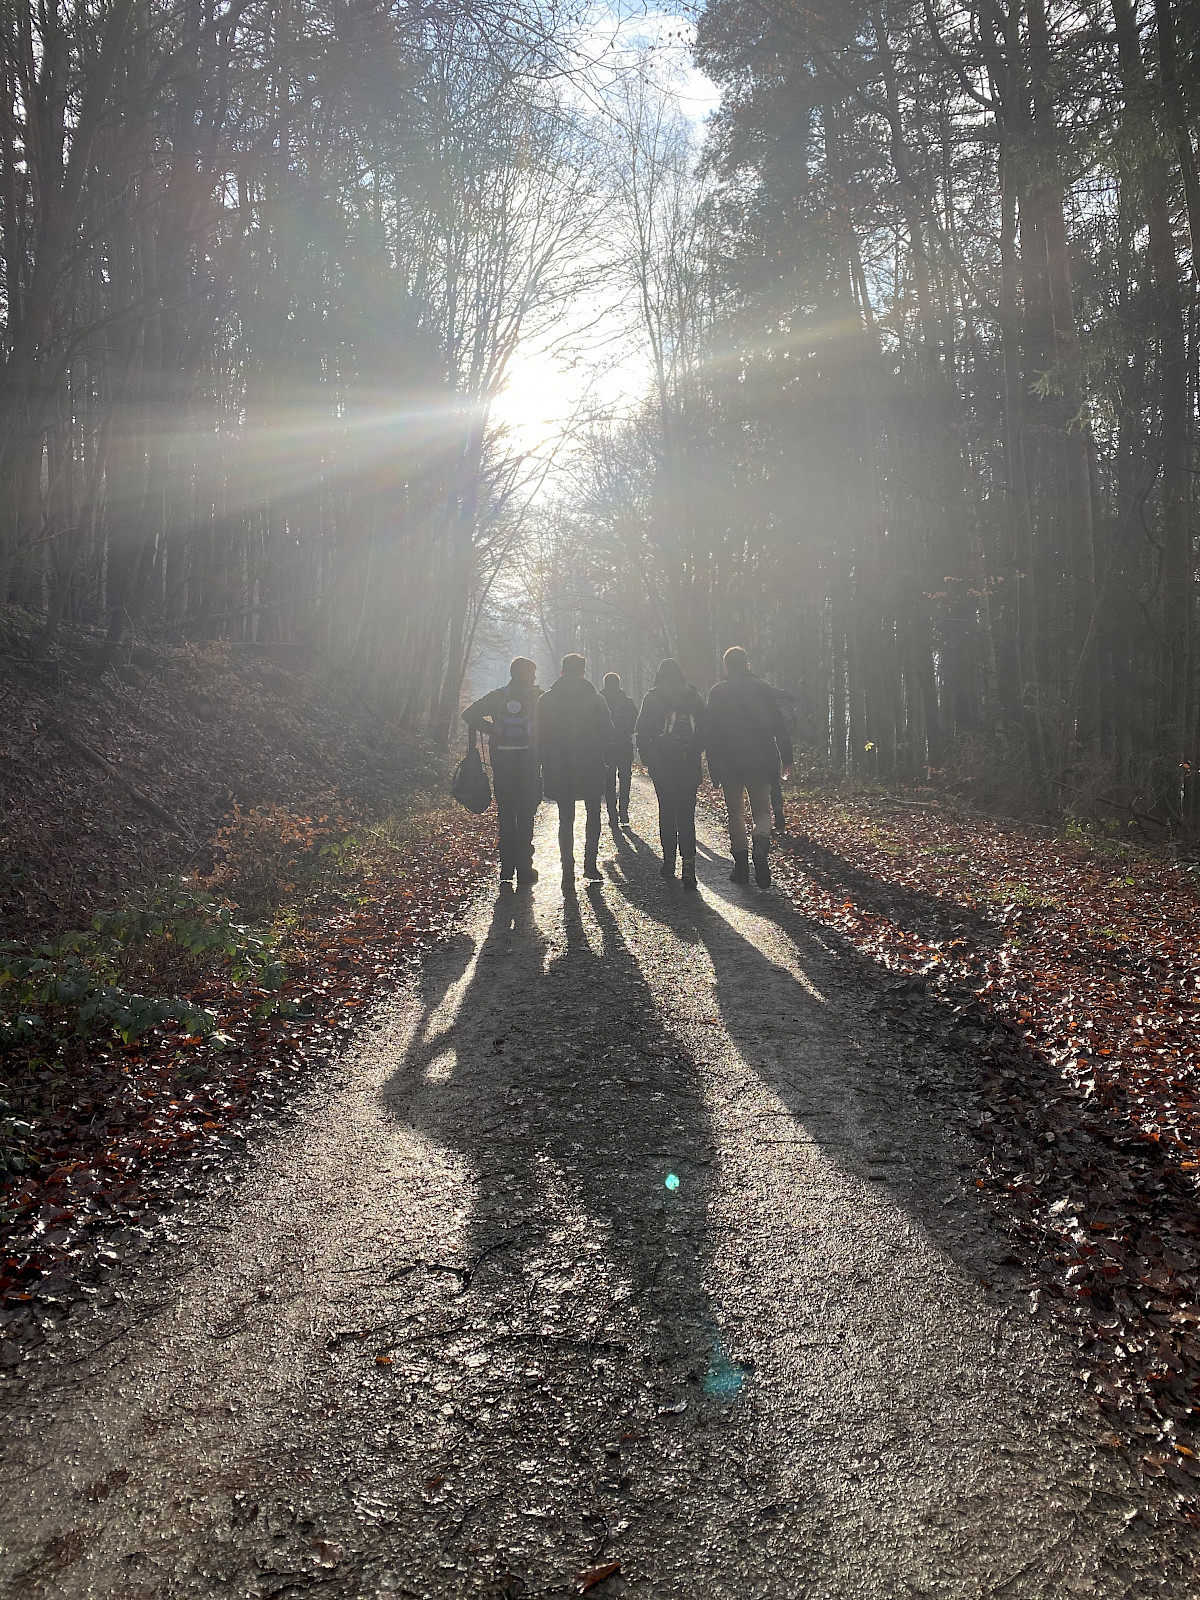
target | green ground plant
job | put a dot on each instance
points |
(130, 972)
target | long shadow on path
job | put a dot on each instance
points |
(931, 1412)
(573, 1334)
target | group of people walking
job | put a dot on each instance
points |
(575, 743)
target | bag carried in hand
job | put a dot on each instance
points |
(471, 787)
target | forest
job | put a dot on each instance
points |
(372, 1222)
(918, 306)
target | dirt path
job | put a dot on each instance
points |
(626, 1237)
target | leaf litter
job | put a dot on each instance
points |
(131, 1126)
(115, 1103)
(1068, 967)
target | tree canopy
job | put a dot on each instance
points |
(919, 312)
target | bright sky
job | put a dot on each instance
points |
(589, 362)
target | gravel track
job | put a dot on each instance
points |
(625, 1239)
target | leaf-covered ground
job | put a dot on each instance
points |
(1067, 967)
(1070, 968)
(114, 1131)
(208, 734)
(169, 964)
(618, 1237)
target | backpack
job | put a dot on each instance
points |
(513, 723)
(471, 787)
(678, 738)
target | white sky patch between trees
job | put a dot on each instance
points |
(593, 362)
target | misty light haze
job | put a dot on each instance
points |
(599, 820)
(392, 330)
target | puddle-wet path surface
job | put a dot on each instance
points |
(624, 1257)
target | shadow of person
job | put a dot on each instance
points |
(451, 966)
(861, 1240)
(794, 1001)
(634, 855)
(933, 1064)
(438, 972)
(928, 915)
(570, 1316)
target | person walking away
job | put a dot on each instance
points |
(575, 735)
(508, 716)
(747, 742)
(670, 738)
(624, 716)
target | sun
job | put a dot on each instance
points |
(537, 401)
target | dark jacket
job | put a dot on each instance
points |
(787, 705)
(661, 739)
(508, 716)
(575, 735)
(624, 714)
(745, 734)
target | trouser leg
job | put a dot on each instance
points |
(777, 802)
(610, 792)
(668, 827)
(525, 818)
(566, 834)
(759, 793)
(626, 780)
(517, 781)
(529, 798)
(685, 821)
(591, 835)
(506, 829)
(735, 805)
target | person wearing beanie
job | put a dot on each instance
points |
(670, 738)
(574, 733)
(620, 767)
(747, 742)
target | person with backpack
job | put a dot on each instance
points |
(670, 738)
(508, 716)
(747, 742)
(624, 716)
(575, 736)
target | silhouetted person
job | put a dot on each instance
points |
(747, 740)
(670, 737)
(620, 768)
(575, 733)
(509, 716)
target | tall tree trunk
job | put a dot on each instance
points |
(1080, 730)
(1171, 337)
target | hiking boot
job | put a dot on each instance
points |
(667, 870)
(591, 871)
(762, 867)
(741, 867)
(780, 822)
(614, 824)
(526, 876)
(506, 873)
(687, 872)
(624, 819)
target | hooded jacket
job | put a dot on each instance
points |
(575, 737)
(746, 736)
(668, 755)
(624, 714)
